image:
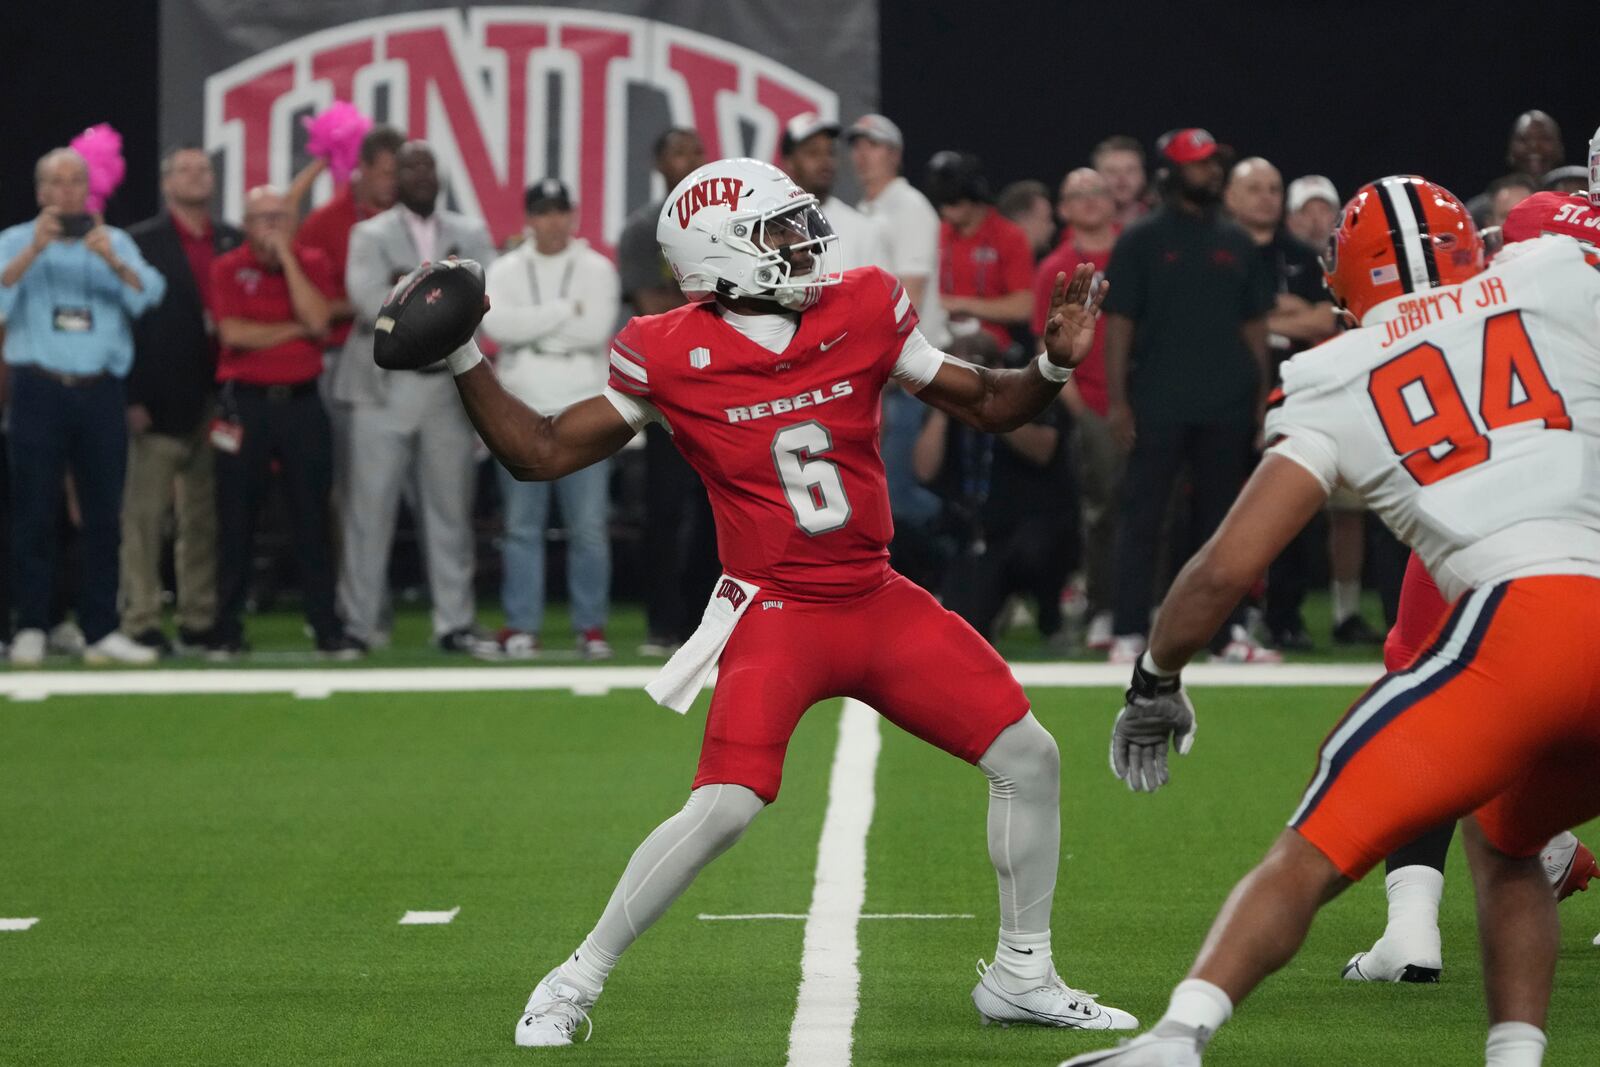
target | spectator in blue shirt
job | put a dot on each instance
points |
(69, 288)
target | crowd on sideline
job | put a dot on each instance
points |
(167, 384)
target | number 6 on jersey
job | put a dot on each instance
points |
(813, 486)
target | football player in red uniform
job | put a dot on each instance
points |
(1410, 949)
(769, 382)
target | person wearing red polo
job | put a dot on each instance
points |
(1088, 215)
(985, 260)
(271, 304)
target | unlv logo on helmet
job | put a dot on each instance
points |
(705, 194)
(475, 85)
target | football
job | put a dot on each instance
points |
(429, 313)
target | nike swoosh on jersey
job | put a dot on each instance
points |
(829, 344)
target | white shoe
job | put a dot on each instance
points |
(27, 648)
(1126, 648)
(1419, 961)
(66, 639)
(1098, 637)
(1242, 648)
(1051, 1003)
(1146, 1050)
(554, 1013)
(118, 647)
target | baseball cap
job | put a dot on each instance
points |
(1574, 172)
(1188, 145)
(1312, 187)
(877, 128)
(803, 126)
(548, 194)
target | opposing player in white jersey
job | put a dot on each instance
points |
(1465, 409)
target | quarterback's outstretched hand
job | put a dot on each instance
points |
(1156, 711)
(1074, 307)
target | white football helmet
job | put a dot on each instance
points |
(741, 227)
(1594, 169)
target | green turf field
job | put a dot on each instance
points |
(219, 880)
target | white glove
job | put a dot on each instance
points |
(1156, 711)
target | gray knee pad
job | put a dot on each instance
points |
(720, 814)
(1024, 760)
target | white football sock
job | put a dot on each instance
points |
(1346, 599)
(1196, 1005)
(1413, 930)
(1024, 771)
(660, 870)
(1515, 1045)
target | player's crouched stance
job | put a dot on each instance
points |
(769, 382)
(1465, 410)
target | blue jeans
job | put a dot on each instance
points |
(56, 428)
(585, 503)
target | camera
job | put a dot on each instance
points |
(76, 226)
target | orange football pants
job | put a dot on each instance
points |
(1498, 716)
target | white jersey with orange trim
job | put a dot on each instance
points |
(1467, 416)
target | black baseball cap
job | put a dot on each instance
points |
(550, 194)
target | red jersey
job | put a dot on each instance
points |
(1570, 214)
(994, 260)
(786, 443)
(327, 229)
(1090, 377)
(242, 288)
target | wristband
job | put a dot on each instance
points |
(464, 358)
(1053, 373)
(1149, 681)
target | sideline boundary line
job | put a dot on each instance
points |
(584, 681)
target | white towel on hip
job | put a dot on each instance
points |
(684, 675)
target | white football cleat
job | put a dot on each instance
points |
(1420, 961)
(1052, 1003)
(1146, 1050)
(553, 1014)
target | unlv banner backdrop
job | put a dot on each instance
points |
(509, 95)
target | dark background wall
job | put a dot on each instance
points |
(1353, 90)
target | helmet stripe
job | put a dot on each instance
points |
(1403, 231)
(1423, 233)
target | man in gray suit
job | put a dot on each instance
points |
(406, 422)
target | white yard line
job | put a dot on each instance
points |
(830, 980)
(315, 683)
(761, 916)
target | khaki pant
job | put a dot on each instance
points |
(1099, 464)
(164, 471)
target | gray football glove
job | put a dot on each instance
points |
(1156, 711)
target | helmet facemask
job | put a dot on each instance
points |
(796, 254)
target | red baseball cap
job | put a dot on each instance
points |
(1188, 145)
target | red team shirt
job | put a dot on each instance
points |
(994, 260)
(787, 446)
(786, 443)
(243, 288)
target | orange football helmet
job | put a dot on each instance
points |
(1399, 235)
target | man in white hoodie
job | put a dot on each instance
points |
(553, 303)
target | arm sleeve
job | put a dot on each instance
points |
(153, 281)
(1125, 272)
(12, 242)
(918, 362)
(512, 320)
(1303, 429)
(629, 372)
(636, 410)
(366, 275)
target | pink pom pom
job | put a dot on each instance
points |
(101, 149)
(335, 135)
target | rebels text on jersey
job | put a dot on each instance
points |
(1467, 416)
(786, 443)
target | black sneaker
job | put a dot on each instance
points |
(154, 638)
(1355, 631)
(1292, 639)
(220, 648)
(468, 639)
(341, 646)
